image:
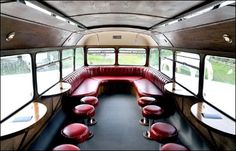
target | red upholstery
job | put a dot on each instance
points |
(86, 80)
(116, 71)
(116, 78)
(143, 101)
(162, 131)
(173, 146)
(88, 87)
(76, 78)
(152, 111)
(76, 131)
(66, 147)
(145, 87)
(92, 100)
(84, 110)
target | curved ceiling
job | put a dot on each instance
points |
(143, 14)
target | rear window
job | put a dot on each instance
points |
(132, 56)
(101, 56)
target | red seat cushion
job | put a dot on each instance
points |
(162, 131)
(87, 87)
(152, 111)
(84, 110)
(143, 101)
(66, 147)
(76, 131)
(173, 146)
(92, 100)
(116, 78)
(145, 87)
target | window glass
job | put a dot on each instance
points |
(154, 58)
(132, 56)
(79, 57)
(101, 56)
(219, 83)
(47, 70)
(16, 83)
(67, 62)
(187, 70)
(167, 62)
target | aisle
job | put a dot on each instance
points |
(117, 126)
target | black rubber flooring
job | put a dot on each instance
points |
(118, 126)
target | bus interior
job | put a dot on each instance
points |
(118, 75)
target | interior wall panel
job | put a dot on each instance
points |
(208, 37)
(30, 35)
(162, 40)
(73, 39)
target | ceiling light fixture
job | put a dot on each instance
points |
(37, 8)
(225, 3)
(10, 36)
(197, 13)
(60, 18)
(227, 38)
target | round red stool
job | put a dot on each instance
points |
(150, 113)
(66, 147)
(173, 146)
(146, 100)
(92, 100)
(161, 132)
(77, 131)
(85, 111)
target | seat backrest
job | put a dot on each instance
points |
(155, 76)
(76, 77)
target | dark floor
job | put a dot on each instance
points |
(118, 127)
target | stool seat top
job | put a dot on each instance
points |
(147, 98)
(163, 129)
(66, 147)
(152, 110)
(173, 146)
(84, 110)
(77, 131)
(92, 100)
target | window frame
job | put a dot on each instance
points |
(47, 64)
(173, 64)
(205, 100)
(33, 87)
(102, 50)
(75, 60)
(126, 49)
(158, 53)
(67, 58)
(188, 65)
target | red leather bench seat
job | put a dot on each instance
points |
(116, 78)
(145, 87)
(86, 80)
(88, 87)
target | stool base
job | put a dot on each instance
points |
(144, 121)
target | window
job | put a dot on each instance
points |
(16, 83)
(47, 70)
(101, 56)
(79, 57)
(167, 62)
(132, 56)
(154, 58)
(187, 70)
(67, 62)
(219, 83)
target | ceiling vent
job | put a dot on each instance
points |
(117, 36)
